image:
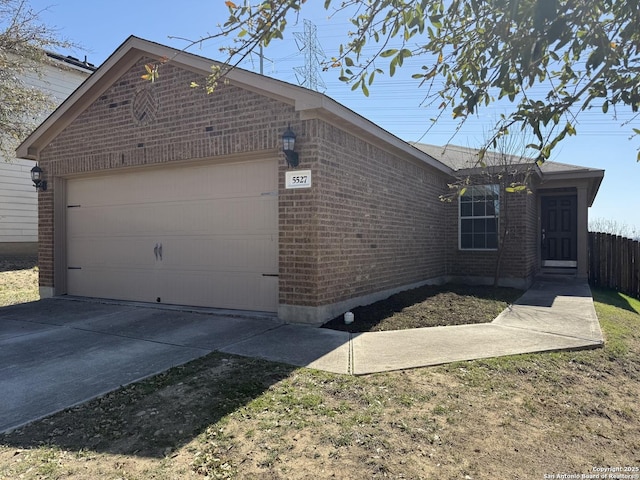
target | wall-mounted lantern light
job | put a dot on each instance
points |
(36, 178)
(288, 145)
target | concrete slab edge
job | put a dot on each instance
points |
(596, 341)
(350, 366)
(175, 308)
(574, 348)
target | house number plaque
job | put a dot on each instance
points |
(298, 179)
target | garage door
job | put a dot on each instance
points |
(197, 235)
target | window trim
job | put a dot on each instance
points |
(496, 190)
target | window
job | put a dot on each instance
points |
(479, 212)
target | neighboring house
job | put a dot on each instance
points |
(161, 193)
(18, 198)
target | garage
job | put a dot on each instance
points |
(203, 235)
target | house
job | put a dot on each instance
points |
(158, 192)
(18, 198)
(547, 224)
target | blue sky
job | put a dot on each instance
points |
(394, 103)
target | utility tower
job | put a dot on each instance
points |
(307, 42)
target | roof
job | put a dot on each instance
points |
(309, 103)
(460, 158)
(73, 62)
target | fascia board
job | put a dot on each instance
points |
(593, 177)
(573, 174)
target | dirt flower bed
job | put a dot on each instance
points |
(430, 306)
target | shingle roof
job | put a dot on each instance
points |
(459, 158)
(73, 61)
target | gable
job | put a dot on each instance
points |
(134, 121)
(135, 52)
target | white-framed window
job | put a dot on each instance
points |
(479, 212)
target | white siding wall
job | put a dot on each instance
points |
(18, 199)
(18, 203)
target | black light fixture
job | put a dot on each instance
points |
(288, 144)
(36, 178)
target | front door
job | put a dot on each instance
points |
(559, 231)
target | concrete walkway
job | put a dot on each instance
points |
(57, 353)
(552, 315)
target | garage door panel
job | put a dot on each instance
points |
(112, 251)
(127, 220)
(107, 283)
(210, 253)
(191, 184)
(221, 253)
(245, 291)
(232, 216)
(217, 226)
(226, 290)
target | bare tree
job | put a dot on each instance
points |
(498, 177)
(606, 225)
(24, 40)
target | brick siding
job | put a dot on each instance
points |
(372, 220)
(188, 124)
(45, 236)
(519, 258)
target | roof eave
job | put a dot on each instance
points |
(521, 168)
(594, 178)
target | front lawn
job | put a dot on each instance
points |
(224, 416)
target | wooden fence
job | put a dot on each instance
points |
(614, 262)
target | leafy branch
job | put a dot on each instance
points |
(479, 51)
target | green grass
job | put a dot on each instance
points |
(618, 319)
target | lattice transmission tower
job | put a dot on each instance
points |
(307, 43)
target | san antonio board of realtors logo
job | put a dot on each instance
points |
(145, 105)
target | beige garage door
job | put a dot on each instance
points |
(196, 235)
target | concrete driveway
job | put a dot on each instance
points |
(60, 352)
(57, 353)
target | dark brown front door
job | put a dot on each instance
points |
(559, 231)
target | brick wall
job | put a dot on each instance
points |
(371, 222)
(519, 258)
(45, 236)
(298, 214)
(181, 123)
